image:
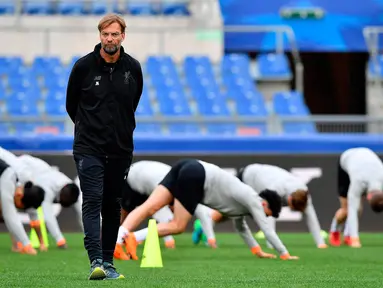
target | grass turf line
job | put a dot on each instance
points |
(231, 265)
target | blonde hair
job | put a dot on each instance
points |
(109, 19)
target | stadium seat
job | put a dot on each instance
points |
(142, 9)
(68, 7)
(221, 129)
(273, 66)
(41, 7)
(148, 128)
(7, 7)
(23, 107)
(288, 104)
(184, 128)
(55, 107)
(174, 8)
(4, 129)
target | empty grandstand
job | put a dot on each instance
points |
(190, 86)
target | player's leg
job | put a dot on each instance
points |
(341, 213)
(159, 198)
(338, 222)
(186, 187)
(90, 170)
(346, 232)
(205, 216)
(272, 223)
(165, 215)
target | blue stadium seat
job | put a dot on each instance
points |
(54, 82)
(299, 128)
(99, 7)
(22, 84)
(7, 7)
(141, 9)
(41, 7)
(17, 107)
(177, 107)
(25, 95)
(55, 107)
(273, 66)
(184, 128)
(144, 107)
(235, 64)
(25, 128)
(4, 129)
(290, 103)
(58, 95)
(68, 7)
(10, 64)
(175, 8)
(215, 107)
(221, 129)
(251, 107)
(148, 128)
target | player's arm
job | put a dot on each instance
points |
(51, 222)
(36, 224)
(165, 215)
(244, 231)
(203, 213)
(12, 220)
(313, 224)
(353, 202)
(254, 205)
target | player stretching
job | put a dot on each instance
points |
(143, 178)
(191, 182)
(360, 173)
(14, 196)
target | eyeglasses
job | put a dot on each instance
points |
(114, 35)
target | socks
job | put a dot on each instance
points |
(346, 232)
(335, 227)
(122, 232)
(141, 235)
(168, 238)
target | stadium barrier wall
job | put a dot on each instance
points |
(274, 144)
(319, 171)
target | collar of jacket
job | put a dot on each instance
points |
(101, 60)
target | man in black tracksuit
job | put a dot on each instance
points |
(103, 92)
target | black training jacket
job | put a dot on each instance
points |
(101, 101)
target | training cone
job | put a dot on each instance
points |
(151, 258)
(35, 242)
(259, 235)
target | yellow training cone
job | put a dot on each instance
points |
(151, 258)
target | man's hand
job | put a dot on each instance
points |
(355, 242)
(287, 256)
(212, 243)
(262, 254)
(43, 248)
(29, 250)
(17, 247)
(322, 246)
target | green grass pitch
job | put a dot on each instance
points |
(231, 265)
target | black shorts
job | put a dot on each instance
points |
(131, 198)
(186, 182)
(343, 181)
